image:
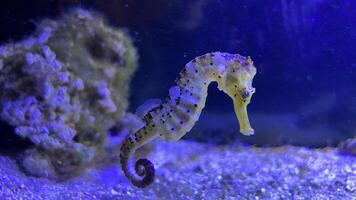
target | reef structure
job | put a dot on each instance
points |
(176, 116)
(63, 87)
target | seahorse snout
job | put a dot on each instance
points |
(242, 116)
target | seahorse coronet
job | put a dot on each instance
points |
(177, 114)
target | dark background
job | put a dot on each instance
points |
(304, 51)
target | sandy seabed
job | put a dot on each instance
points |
(190, 170)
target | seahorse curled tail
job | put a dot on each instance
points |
(142, 174)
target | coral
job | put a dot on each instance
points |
(176, 116)
(63, 87)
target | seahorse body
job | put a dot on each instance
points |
(176, 116)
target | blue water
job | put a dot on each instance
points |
(304, 52)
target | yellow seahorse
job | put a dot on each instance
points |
(176, 116)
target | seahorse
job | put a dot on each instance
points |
(177, 114)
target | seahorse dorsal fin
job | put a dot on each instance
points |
(146, 107)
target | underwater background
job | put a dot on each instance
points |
(303, 51)
(303, 111)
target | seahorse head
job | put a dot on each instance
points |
(237, 83)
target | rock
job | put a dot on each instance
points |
(348, 147)
(63, 87)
